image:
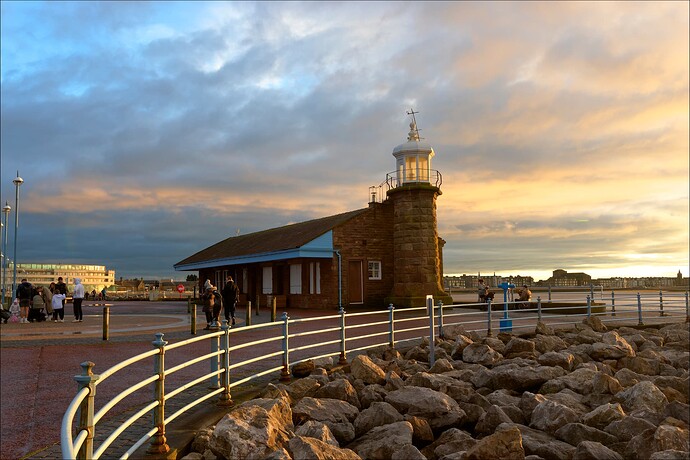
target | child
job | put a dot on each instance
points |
(14, 310)
(58, 298)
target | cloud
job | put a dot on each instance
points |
(146, 131)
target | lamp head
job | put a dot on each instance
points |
(6, 209)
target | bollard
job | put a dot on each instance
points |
(488, 322)
(159, 444)
(106, 322)
(343, 357)
(391, 326)
(661, 303)
(589, 306)
(86, 409)
(687, 308)
(639, 310)
(248, 315)
(613, 304)
(430, 310)
(193, 318)
(285, 373)
(549, 293)
(440, 319)
(273, 310)
(539, 308)
(225, 399)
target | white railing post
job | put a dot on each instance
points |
(539, 308)
(86, 409)
(440, 319)
(248, 313)
(613, 304)
(639, 310)
(106, 322)
(687, 308)
(589, 306)
(343, 353)
(159, 444)
(661, 303)
(430, 311)
(192, 322)
(285, 373)
(225, 397)
(489, 333)
(391, 326)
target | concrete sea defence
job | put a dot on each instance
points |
(583, 393)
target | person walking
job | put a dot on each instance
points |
(230, 294)
(24, 293)
(58, 308)
(77, 299)
(61, 288)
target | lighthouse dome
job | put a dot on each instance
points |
(413, 145)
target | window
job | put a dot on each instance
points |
(296, 279)
(374, 270)
(267, 284)
(315, 278)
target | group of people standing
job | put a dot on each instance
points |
(485, 294)
(214, 302)
(36, 304)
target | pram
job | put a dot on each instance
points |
(37, 315)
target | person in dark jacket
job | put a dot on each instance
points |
(25, 292)
(230, 294)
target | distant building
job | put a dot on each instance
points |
(472, 281)
(562, 278)
(92, 276)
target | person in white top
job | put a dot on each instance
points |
(77, 298)
(58, 311)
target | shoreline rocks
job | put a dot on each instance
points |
(592, 393)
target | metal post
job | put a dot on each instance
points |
(440, 319)
(539, 308)
(549, 293)
(613, 304)
(87, 379)
(285, 373)
(159, 444)
(17, 182)
(488, 321)
(273, 310)
(225, 398)
(193, 319)
(343, 353)
(106, 322)
(6, 211)
(687, 308)
(639, 310)
(661, 303)
(430, 311)
(248, 315)
(589, 306)
(391, 326)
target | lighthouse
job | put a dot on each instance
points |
(417, 249)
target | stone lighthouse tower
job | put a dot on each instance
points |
(413, 189)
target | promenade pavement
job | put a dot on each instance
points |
(38, 362)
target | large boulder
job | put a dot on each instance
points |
(549, 416)
(362, 367)
(643, 395)
(336, 414)
(604, 415)
(536, 442)
(505, 444)
(480, 353)
(340, 389)
(381, 442)
(575, 433)
(439, 409)
(627, 428)
(317, 430)
(490, 420)
(378, 414)
(522, 378)
(315, 449)
(592, 450)
(252, 431)
(561, 359)
(452, 440)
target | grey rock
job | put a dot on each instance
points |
(378, 414)
(303, 447)
(575, 433)
(591, 450)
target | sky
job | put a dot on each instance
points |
(147, 131)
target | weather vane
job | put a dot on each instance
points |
(414, 122)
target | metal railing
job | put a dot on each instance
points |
(298, 340)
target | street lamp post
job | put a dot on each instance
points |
(17, 182)
(6, 212)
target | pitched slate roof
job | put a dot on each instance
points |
(275, 239)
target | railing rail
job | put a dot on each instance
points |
(295, 339)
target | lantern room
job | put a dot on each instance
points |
(413, 159)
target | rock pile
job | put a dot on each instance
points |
(576, 394)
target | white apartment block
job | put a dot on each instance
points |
(92, 276)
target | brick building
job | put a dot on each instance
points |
(389, 252)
